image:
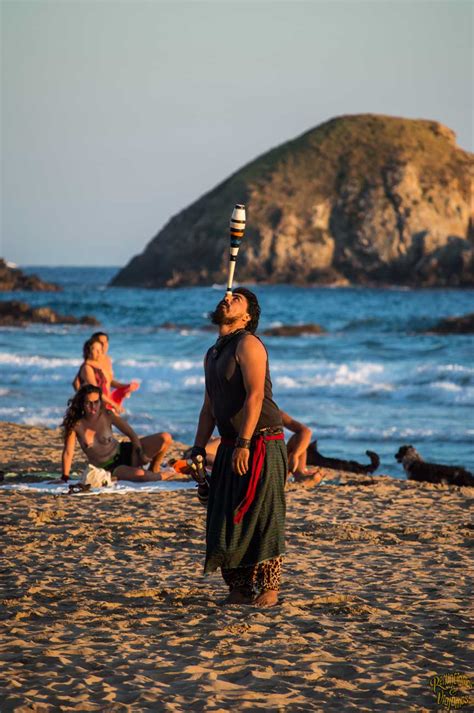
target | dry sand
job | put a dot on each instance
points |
(104, 606)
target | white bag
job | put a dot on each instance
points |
(96, 477)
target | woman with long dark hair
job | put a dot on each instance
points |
(89, 422)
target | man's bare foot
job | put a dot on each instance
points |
(237, 597)
(309, 478)
(163, 474)
(267, 599)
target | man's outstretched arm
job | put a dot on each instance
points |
(206, 423)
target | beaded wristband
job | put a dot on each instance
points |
(242, 442)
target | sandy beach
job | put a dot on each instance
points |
(104, 606)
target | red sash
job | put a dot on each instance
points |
(258, 459)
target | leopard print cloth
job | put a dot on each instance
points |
(255, 579)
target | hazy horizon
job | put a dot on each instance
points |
(116, 116)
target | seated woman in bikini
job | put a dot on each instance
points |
(91, 372)
(89, 422)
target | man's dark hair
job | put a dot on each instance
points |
(253, 307)
(96, 335)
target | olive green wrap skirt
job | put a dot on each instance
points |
(261, 533)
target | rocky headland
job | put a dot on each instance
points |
(18, 314)
(364, 199)
(13, 279)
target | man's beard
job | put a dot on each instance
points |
(219, 316)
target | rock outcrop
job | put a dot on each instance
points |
(361, 199)
(293, 330)
(455, 325)
(18, 314)
(12, 279)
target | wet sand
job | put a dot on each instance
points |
(104, 606)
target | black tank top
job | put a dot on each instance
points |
(225, 387)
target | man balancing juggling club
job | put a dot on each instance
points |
(246, 505)
(197, 465)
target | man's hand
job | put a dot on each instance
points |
(240, 460)
(293, 459)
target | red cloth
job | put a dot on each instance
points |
(118, 395)
(258, 459)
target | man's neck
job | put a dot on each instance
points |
(225, 329)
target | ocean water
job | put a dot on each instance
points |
(373, 381)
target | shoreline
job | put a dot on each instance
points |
(32, 453)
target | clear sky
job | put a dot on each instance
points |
(116, 115)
